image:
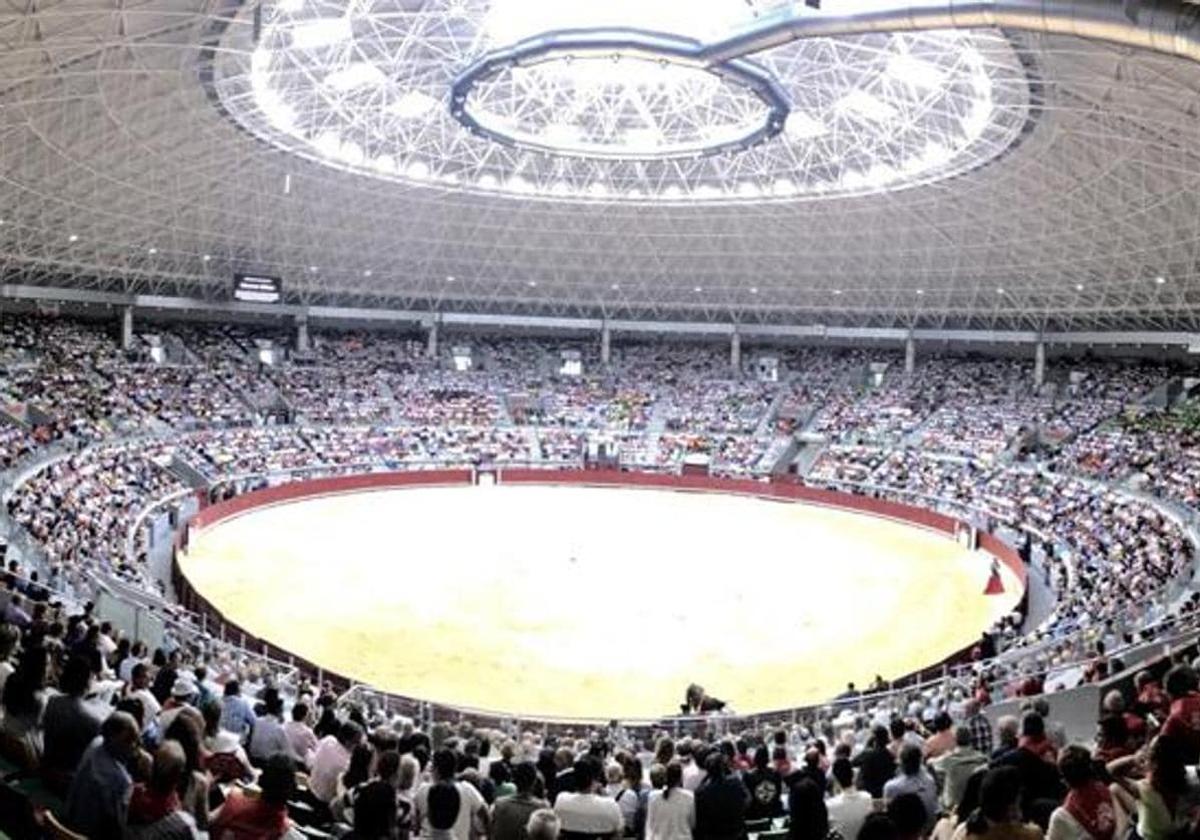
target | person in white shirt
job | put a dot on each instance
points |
(300, 735)
(137, 653)
(587, 811)
(848, 810)
(672, 811)
(268, 736)
(693, 774)
(1089, 810)
(331, 759)
(139, 689)
(105, 642)
(446, 809)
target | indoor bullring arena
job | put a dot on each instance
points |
(600, 419)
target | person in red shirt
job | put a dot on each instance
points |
(1135, 724)
(264, 817)
(1184, 719)
(1112, 739)
(1150, 697)
(151, 802)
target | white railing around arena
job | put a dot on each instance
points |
(204, 632)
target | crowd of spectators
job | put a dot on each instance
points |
(194, 737)
(1157, 451)
(125, 741)
(81, 509)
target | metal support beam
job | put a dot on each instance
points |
(1039, 364)
(431, 340)
(605, 344)
(302, 343)
(126, 328)
(910, 355)
(892, 336)
(735, 353)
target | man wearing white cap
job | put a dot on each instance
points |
(183, 693)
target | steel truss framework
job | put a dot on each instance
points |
(122, 174)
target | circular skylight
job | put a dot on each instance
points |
(365, 86)
(620, 94)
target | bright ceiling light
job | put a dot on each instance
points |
(853, 179)
(802, 126)
(359, 74)
(647, 139)
(279, 113)
(879, 175)
(1160, 280)
(867, 105)
(418, 170)
(936, 154)
(321, 32)
(328, 143)
(508, 21)
(974, 123)
(413, 105)
(914, 71)
(290, 6)
(562, 134)
(351, 153)
(520, 185)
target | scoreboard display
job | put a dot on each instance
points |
(257, 288)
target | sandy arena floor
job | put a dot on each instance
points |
(576, 601)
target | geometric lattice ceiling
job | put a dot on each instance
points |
(131, 160)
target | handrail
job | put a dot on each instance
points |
(680, 722)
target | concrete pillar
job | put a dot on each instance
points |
(302, 343)
(1039, 364)
(910, 355)
(126, 327)
(735, 353)
(431, 340)
(605, 345)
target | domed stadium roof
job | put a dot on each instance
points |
(866, 163)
